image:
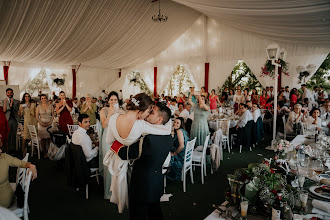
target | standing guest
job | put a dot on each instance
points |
(271, 92)
(314, 120)
(214, 99)
(315, 93)
(246, 96)
(105, 114)
(54, 96)
(63, 109)
(263, 98)
(231, 97)
(80, 137)
(10, 108)
(224, 94)
(281, 97)
(308, 104)
(306, 93)
(103, 95)
(238, 99)
(186, 112)
(293, 97)
(192, 93)
(203, 92)
(181, 98)
(6, 192)
(27, 109)
(199, 126)
(323, 95)
(180, 109)
(90, 109)
(180, 140)
(173, 106)
(45, 116)
(254, 97)
(268, 91)
(294, 117)
(75, 109)
(120, 96)
(287, 94)
(4, 129)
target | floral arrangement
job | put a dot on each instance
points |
(136, 79)
(303, 75)
(269, 69)
(283, 147)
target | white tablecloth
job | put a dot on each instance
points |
(215, 125)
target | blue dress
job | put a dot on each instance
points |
(177, 160)
(199, 126)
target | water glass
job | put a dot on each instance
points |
(301, 180)
(244, 208)
(303, 198)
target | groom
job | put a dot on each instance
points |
(147, 181)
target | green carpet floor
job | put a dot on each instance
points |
(51, 198)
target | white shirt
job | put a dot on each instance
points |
(256, 114)
(173, 108)
(80, 137)
(315, 95)
(270, 94)
(245, 117)
(185, 114)
(325, 116)
(104, 96)
(309, 121)
(286, 95)
(238, 99)
(307, 94)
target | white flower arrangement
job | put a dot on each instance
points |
(135, 102)
(283, 146)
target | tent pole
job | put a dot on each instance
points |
(155, 81)
(275, 102)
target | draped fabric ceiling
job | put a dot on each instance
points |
(105, 35)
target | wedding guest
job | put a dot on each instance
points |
(231, 97)
(105, 114)
(287, 94)
(255, 112)
(63, 109)
(6, 192)
(185, 112)
(193, 95)
(180, 140)
(204, 93)
(54, 96)
(315, 93)
(314, 120)
(4, 129)
(224, 94)
(44, 116)
(325, 114)
(238, 99)
(80, 137)
(27, 109)
(214, 99)
(306, 93)
(263, 99)
(10, 108)
(180, 109)
(295, 116)
(199, 126)
(246, 96)
(103, 95)
(249, 105)
(254, 96)
(293, 97)
(173, 106)
(323, 95)
(181, 98)
(281, 96)
(270, 93)
(90, 109)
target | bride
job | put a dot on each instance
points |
(127, 129)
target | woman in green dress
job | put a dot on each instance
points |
(180, 140)
(199, 126)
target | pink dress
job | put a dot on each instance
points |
(213, 102)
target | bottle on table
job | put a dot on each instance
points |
(278, 207)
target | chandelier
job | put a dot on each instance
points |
(159, 18)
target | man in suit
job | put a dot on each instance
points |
(147, 180)
(10, 108)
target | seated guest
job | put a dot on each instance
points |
(180, 140)
(173, 106)
(249, 104)
(308, 104)
(80, 137)
(6, 192)
(185, 112)
(90, 109)
(282, 108)
(325, 111)
(294, 117)
(180, 109)
(314, 120)
(255, 112)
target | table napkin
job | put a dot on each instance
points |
(322, 205)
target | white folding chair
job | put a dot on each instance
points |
(287, 134)
(199, 158)
(20, 176)
(34, 139)
(187, 165)
(72, 128)
(308, 129)
(225, 138)
(95, 173)
(23, 212)
(19, 135)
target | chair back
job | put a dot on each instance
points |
(20, 178)
(33, 133)
(308, 129)
(26, 188)
(206, 143)
(20, 128)
(188, 155)
(72, 128)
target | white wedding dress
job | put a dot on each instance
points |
(118, 167)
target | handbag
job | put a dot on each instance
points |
(55, 153)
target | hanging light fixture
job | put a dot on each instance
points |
(159, 18)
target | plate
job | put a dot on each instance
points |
(312, 190)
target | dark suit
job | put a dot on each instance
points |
(147, 180)
(13, 119)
